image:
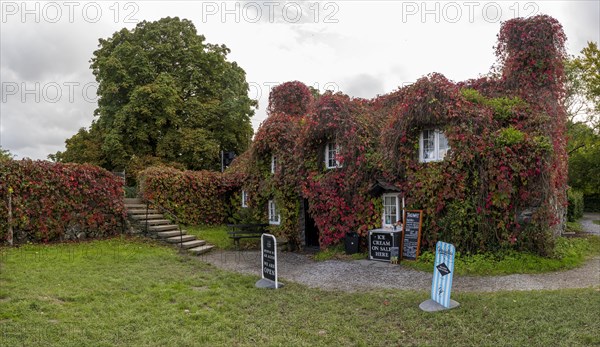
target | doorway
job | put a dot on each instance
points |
(311, 232)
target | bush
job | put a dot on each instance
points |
(196, 197)
(52, 201)
(575, 207)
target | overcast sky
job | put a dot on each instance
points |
(362, 48)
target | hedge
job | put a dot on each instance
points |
(52, 201)
(195, 197)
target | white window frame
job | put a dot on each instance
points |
(244, 199)
(398, 208)
(274, 215)
(328, 158)
(273, 163)
(437, 136)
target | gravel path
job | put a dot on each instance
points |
(364, 274)
(361, 275)
(588, 225)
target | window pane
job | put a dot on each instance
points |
(390, 209)
(428, 145)
(443, 146)
(331, 155)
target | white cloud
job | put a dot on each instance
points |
(364, 48)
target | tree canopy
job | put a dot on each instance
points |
(166, 96)
(5, 154)
(583, 102)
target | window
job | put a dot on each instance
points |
(274, 216)
(273, 163)
(244, 199)
(433, 146)
(391, 210)
(331, 152)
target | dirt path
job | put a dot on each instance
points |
(364, 274)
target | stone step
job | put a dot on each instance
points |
(135, 206)
(201, 249)
(179, 239)
(133, 201)
(167, 234)
(143, 211)
(140, 217)
(191, 244)
(155, 228)
(157, 222)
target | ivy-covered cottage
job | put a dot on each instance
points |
(485, 158)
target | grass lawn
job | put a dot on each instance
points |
(127, 292)
(217, 235)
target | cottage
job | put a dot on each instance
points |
(485, 158)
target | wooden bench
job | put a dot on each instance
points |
(245, 231)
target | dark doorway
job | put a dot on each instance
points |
(311, 232)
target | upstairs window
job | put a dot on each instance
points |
(244, 199)
(274, 216)
(433, 146)
(273, 163)
(331, 152)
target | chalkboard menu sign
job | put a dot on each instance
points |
(381, 244)
(411, 235)
(269, 257)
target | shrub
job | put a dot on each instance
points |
(575, 207)
(196, 197)
(52, 201)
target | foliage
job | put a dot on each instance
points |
(195, 197)
(5, 154)
(591, 203)
(509, 137)
(584, 158)
(167, 95)
(575, 208)
(568, 253)
(129, 293)
(583, 86)
(293, 98)
(52, 202)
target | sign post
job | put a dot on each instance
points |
(382, 244)
(411, 234)
(268, 247)
(441, 285)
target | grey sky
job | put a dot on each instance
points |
(362, 48)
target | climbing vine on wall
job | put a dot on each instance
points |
(501, 185)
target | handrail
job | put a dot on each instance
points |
(164, 210)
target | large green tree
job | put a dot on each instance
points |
(165, 95)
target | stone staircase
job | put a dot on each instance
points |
(163, 229)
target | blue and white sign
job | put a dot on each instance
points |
(443, 269)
